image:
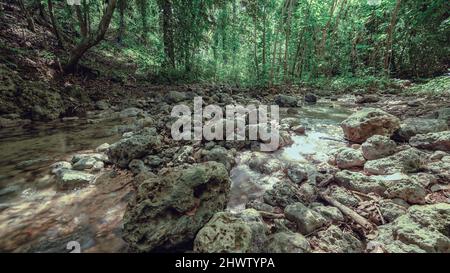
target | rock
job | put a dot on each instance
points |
(369, 122)
(334, 240)
(131, 112)
(348, 158)
(288, 242)
(102, 148)
(98, 166)
(299, 129)
(391, 210)
(61, 165)
(444, 114)
(153, 161)
(286, 101)
(70, 179)
(144, 142)
(282, 194)
(417, 126)
(228, 233)
(137, 166)
(219, 154)
(94, 156)
(332, 214)
(311, 98)
(377, 147)
(343, 196)
(421, 229)
(438, 155)
(288, 123)
(401, 186)
(433, 141)
(84, 164)
(170, 209)
(102, 105)
(260, 206)
(174, 97)
(301, 172)
(307, 220)
(406, 161)
(368, 98)
(359, 182)
(184, 154)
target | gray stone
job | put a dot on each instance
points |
(417, 126)
(334, 240)
(343, 196)
(433, 141)
(301, 172)
(170, 209)
(70, 179)
(391, 210)
(174, 97)
(307, 220)
(377, 147)
(348, 158)
(102, 148)
(332, 214)
(282, 194)
(288, 242)
(84, 164)
(359, 182)
(369, 122)
(406, 161)
(286, 101)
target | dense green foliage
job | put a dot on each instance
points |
(274, 41)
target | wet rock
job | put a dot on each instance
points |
(174, 97)
(102, 148)
(228, 233)
(311, 98)
(288, 242)
(369, 122)
(286, 101)
(144, 142)
(348, 158)
(170, 209)
(334, 240)
(406, 161)
(433, 141)
(70, 179)
(391, 210)
(301, 172)
(417, 126)
(368, 98)
(343, 196)
(422, 229)
(282, 194)
(359, 182)
(377, 147)
(307, 220)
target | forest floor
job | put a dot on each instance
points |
(108, 94)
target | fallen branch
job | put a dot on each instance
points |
(347, 211)
(270, 215)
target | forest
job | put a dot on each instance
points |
(224, 126)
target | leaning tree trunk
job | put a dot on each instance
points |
(55, 24)
(91, 40)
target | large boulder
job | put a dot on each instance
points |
(144, 142)
(417, 126)
(433, 141)
(369, 122)
(377, 147)
(422, 229)
(230, 233)
(406, 161)
(170, 209)
(286, 101)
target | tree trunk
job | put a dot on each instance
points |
(91, 40)
(29, 18)
(55, 24)
(169, 48)
(390, 33)
(122, 5)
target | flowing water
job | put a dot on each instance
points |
(36, 217)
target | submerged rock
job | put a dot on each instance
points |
(136, 146)
(433, 141)
(230, 233)
(170, 209)
(377, 147)
(369, 122)
(422, 229)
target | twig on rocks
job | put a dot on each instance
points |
(347, 211)
(270, 215)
